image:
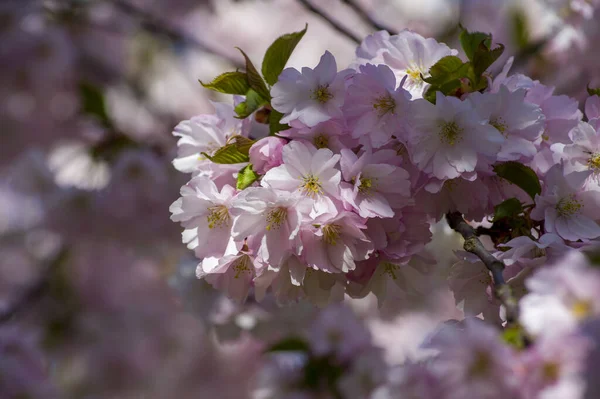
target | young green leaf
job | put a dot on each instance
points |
(290, 344)
(92, 103)
(246, 176)
(229, 83)
(470, 42)
(446, 69)
(521, 175)
(512, 207)
(255, 81)
(593, 92)
(253, 102)
(235, 151)
(278, 54)
(274, 125)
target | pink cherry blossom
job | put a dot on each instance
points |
(565, 207)
(266, 154)
(450, 138)
(313, 95)
(310, 172)
(374, 107)
(375, 186)
(204, 213)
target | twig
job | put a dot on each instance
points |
(496, 267)
(366, 17)
(34, 291)
(341, 29)
(154, 25)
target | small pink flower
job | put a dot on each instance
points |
(313, 95)
(266, 154)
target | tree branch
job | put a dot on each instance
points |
(34, 291)
(496, 267)
(335, 25)
(366, 17)
(154, 25)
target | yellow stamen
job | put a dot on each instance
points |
(276, 217)
(390, 269)
(550, 371)
(365, 185)
(384, 104)
(321, 141)
(594, 162)
(312, 186)
(242, 265)
(331, 232)
(450, 133)
(322, 94)
(568, 206)
(500, 124)
(581, 309)
(218, 216)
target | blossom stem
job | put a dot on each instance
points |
(366, 17)
(496, 267)
(334, 24)
(34, 291)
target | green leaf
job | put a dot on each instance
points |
(446, 69)
(255, 81)
(253, 102)
(229, 83)
(278, 53)
(521, 175)
(484, 57)
(274, 125)
(521, 33)
(512, 207)
(515, 337)
(470, 42)
(593, 92)
(290, 344)
(235, 151)
(92, 103)
(246, 176)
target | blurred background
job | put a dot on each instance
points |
(98, 296)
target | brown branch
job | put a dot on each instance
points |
(334, 24)
(366, 17)
(496, 267)
(156, 26)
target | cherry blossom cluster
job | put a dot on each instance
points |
(340, 195)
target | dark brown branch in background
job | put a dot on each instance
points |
(334, 24)
(366, 17)
(154, 25)
(496, 267)
(34, 291)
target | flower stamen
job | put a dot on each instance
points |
(218, 216)
(450, 133)
(275, 218)
(312, 186)
(322, 94)
(331, 232)
(384, 104)
(568, 206)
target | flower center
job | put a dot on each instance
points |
(550, 371)
(311, 185)
(322, 94)
(581, 309)
(500, 124)
(365, 186)
(321, 141)
(568, 206)
(390, 269)
(242, 265)
(276, 217)
(414, 76)
(594, 162)
(331, 232)
(481, 364)
(384, 104)
(218, 216)
(450, 133)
